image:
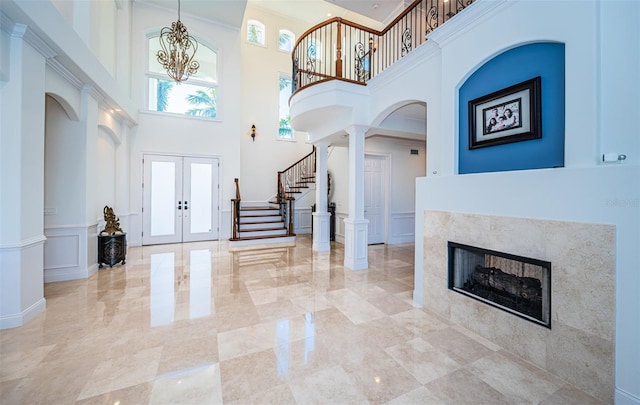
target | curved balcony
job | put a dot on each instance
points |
(339, 49)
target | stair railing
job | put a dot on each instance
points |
(235, 214)
(297, 175)
(286, 203)
(339, 49)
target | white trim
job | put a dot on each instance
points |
(36, 42)
(15, 320)
(25, 243)
(623, 397)
(65, 73)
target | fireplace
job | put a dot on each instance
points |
(515, 284)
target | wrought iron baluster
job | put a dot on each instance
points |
(406, 41)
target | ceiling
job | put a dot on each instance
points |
(372, 13)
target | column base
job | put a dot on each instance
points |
(356, 247)
(321, 236)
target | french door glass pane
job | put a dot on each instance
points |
(201, 202)
(163, 194)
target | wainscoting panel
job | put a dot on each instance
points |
(340, 217)
(66, 253)
(225, 225)
(61, 251)
(302, 220)
(401, 227)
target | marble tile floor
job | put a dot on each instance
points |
(195, 324)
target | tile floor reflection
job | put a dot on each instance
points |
(196, 324)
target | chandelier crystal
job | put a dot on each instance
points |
(178, 51)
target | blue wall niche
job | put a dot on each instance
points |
(511, 67)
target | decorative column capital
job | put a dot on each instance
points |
(357, 129)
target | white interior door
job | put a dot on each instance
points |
(374, 197)
(180, 199)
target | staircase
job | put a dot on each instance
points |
(271, 224)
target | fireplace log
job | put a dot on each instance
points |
(524, 287)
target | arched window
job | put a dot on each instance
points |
(196, 97)
(286, 40)
(255, 32)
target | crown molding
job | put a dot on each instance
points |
(66, 74)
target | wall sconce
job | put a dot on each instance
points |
(253, 133)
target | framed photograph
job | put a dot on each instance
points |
(505, 116)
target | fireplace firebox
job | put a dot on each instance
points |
(516, 284)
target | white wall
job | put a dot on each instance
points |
(619, 86)
(261, 68)
(104, 39)
(106, 169)
(601, 83)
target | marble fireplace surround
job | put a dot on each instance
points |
(579, 347)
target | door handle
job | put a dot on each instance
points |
(186, 207)
(179, 205)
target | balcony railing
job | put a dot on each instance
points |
(339, 49)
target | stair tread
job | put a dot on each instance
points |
(261, 222)
(262, 230)
(261, 237)
(260, 216)
(261, 208)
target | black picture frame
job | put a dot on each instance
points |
(512, 114)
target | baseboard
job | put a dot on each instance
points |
(16, 320)
(55, 275)
(625, 398)
(396, 240)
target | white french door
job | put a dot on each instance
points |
(374, 197)
(180, 199)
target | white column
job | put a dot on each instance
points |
(22, 114)
(321, 218)
(356, 228)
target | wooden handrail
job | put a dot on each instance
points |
(300, 161)
(339, 49)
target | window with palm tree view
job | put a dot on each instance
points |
(196, 96)
(286, 40)
(255, 32)
(284, 128)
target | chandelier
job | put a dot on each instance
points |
(178, 50)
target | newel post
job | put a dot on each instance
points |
(291, 201)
